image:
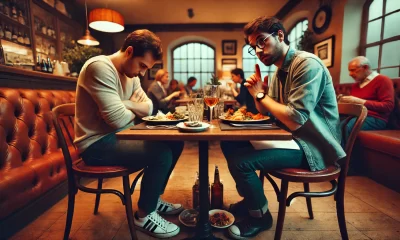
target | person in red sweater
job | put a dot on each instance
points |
(373, 90)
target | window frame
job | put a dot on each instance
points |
(381, 42)
(185, 43)
(270, 73)
(294, 26)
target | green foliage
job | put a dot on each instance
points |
(76, 55)
(306, 42)
(214, 80)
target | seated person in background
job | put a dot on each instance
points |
(373, 90)
(243, 97)
(173, 86)
(108, 98)
(158, 94)
(191, 82)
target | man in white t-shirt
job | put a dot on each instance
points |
(108, 98)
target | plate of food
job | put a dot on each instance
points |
(221, 218)
(243, 116)
(193, 126)
(169, 118)
(188, 217)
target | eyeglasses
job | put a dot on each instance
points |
(260, 44)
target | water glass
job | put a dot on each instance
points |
(196, 109)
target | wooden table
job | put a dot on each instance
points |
(203, 228)
(184, 101)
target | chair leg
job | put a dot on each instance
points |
(96, 204)
(340, 214)
(308, 200)
(70, 213)
(128, 206)
(282, 209)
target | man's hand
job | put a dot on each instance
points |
(254, 83)
(351, 99)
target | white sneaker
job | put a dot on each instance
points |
(167, 208)
(156, 226)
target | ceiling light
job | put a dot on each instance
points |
(87, 39)
(106, 20)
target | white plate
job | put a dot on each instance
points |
(156, 121)
(244, 121)
(228, 214)
(204, 126)
(187, 214)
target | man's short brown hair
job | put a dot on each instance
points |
(143, 41)
(264, 24)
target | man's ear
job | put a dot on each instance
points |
(280, 35)
(129, 51)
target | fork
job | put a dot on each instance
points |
(161, 126)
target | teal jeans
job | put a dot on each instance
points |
(243, 160)
(158, 159)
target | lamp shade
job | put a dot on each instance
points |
(88, 40)
(106, 20)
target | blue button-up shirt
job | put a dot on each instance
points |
(310, 101)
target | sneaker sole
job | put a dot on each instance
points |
(234, 236)
(158, 235)
(174, 212)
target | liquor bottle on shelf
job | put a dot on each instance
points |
(38, 67)
(217, 191)
(6, 9)
(21, 18)
(49, 66)
(14, 10)
(14, 37)
(2, 59)
(43, 66)
(27, 40)
(20, 38)
(7, 33)
(1, 31)
(195, 192)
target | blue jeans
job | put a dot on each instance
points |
(370, 123)
(157, 158)
(243, 160)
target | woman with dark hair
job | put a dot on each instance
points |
(243, 96)
(173, 86)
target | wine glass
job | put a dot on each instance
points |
(211, 98)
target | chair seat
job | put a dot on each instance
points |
(83, 170)
(305, 175)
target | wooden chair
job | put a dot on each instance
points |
(63, 119)
(336, 175)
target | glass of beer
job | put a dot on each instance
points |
(211, 98)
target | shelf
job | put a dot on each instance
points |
(14, 44)
(40, 34)
(13, 22)
(56, 13)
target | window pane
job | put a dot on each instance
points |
(390, 54)
(197, 65)
(390, 72)
(375, 9)
(184, 65)
(392, 27)
(177, 65)
(292, 35)
(211, 65)
(204, 65)
(299, 30)
(177, 76)
(197, 50)
(374, 31)
(177, 52)
(392, 5)
(205, 77)
(190, 50)
(184, 51)
(372, 54)
(184, 77)
(211, 53)
(246, 53)
(190, 65)
(305, 25)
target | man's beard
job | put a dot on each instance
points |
(276, 53)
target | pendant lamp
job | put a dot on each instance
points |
(106, 20)
(87, 39)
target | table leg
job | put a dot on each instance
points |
(203, 228)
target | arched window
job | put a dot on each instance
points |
(380, 41)
(193, 59)
(249, 61)
(296, 32)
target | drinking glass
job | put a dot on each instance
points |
(211, 98)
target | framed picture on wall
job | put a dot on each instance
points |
(324, 50)
(153, 70)
(229, 47)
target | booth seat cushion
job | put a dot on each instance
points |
(31, 162)
(385, 141)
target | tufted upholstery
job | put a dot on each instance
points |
(379, 154)
(31, 161)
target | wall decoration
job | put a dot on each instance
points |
(229, 47)
(153, 71)
(324, 50)
(321, 19)
(228, 64)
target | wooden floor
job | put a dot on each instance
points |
(372, 210)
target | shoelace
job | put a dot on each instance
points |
(160, 221)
